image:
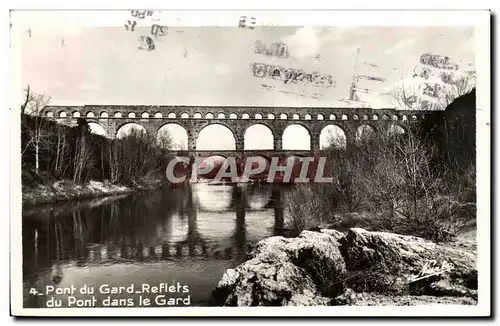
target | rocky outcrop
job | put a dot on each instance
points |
(327, 267)
(399, 264)
(281, 271)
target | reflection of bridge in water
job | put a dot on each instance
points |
(127, 231)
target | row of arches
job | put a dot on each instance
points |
(256, 137)
(258, 116)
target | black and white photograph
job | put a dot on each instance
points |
(173, 163)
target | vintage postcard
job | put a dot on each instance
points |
(250, 163)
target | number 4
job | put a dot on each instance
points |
(243, 21)
(33, 291)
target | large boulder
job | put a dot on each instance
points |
(281, 271)
(326, 267)
(392, 262)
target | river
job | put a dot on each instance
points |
(185, 237)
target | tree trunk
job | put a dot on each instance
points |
(36, 157)
(57, 151)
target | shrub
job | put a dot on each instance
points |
(406, 180)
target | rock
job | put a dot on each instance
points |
(349, 297)
(257, 283)
(307, 298)
(380, 256)
(330, 268)
(281, 271)
(334, 233)
(319, 254)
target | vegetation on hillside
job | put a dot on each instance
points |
(422, 182)
(52, 152)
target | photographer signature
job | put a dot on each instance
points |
(431, 268)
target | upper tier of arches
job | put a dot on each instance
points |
(278, 113)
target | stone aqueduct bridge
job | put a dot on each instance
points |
(236, 118)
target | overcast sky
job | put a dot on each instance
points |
(211, 65)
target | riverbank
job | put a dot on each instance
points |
(66, 190)
(358, 267)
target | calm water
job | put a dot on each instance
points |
(182, 237)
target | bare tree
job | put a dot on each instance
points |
(28, 98)
(406, 95)
(335, 139)
(61, 150)
(33, 105)
(165, 139)
(83, 151)
(113, 157)
(364, 134)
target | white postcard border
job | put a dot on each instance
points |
(479, 19)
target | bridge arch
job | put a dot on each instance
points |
(320, 117)
(221, 116)
(145, 115)
(258, 116)
(104, 114)
(128, 128)
(258, 136)
(283, 116)
(131, 115)
(295, 116)
(365, 132)
(396, 129)
(90, 114)
(365, 117)
(97, 129)
(344, 117)
(245, 116)
(76, 114)
(171, 115)
(333, 117)
(117, 114)
(220, 132)
(271, 116)
(296, 137)
(332, 136)
(158, 115)
(233, 116)
(172, 135)
(197, 115)
(209, 115)
(307, 116)
(184, 115)
(49, 114)
(62, 114)
(375, 117)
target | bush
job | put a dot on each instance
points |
(74, 153)
(409, 181)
